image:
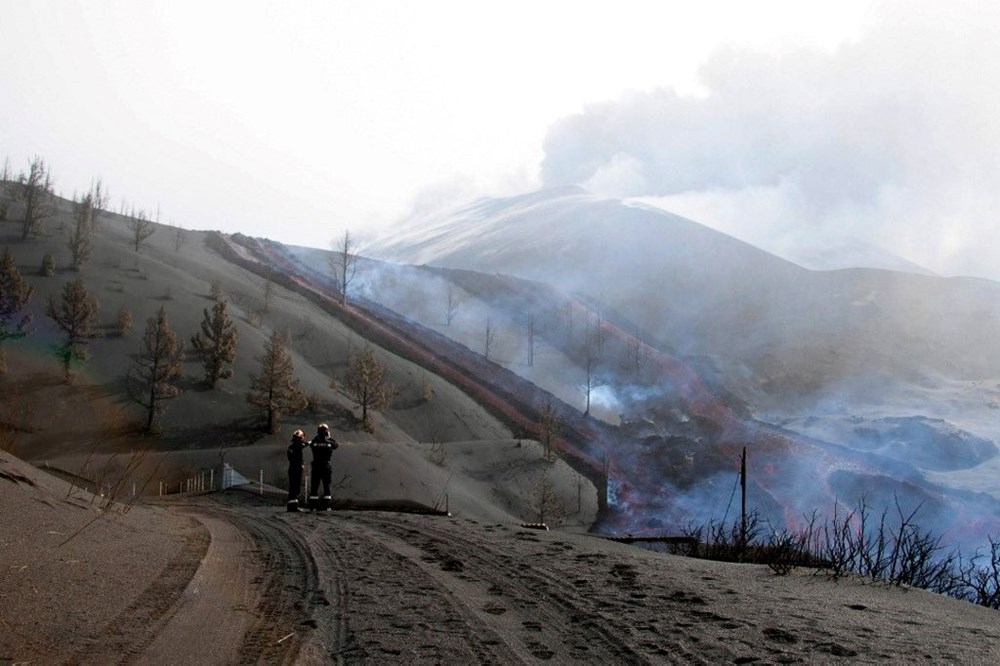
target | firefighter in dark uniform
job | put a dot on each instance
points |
(322, 446)
(295, 466)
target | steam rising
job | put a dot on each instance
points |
(891, 139)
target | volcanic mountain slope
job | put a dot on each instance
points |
(670, 458)
(793, 333)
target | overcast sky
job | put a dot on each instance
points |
(297, 120)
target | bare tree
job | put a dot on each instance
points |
(531, 340)
(275, 392)
(15, 294)
(36, 193)
(548, 430)
(489, 339)
(344, 263)
(141, 228)
(158, 363)
(633, 353)
(591, 380)
(5, 189)
(545, 502)
(365, 382)
(180, 238)
(216, 342)
(100, 199)
(74, 312)
(599, 334)
(80, 240)
(452, 304)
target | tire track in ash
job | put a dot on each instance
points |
(396, 612)
(515, 595)
(289, 573)
(559, 617)
(125, 638)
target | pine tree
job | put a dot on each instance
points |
(158, 363)
(275, 391)
(15, 294)
(365, 383)
(216, 342)
(74, 312)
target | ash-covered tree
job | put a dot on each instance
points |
(365, 382)
(545, 502)
(154, 368)
(15, 294)
(140, 227)
(5, 189)
(489, 339)
(548, 430)
(274, 391)
(344, 263)
(100, 198)
(86, 215)
(452, 303)
(531, 340)
(80, 244)
(180, 238)
(74, 312)
(216, 342)
(591, 381)
(36, 192)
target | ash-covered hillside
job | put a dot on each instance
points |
(481, 359)
(790, 343)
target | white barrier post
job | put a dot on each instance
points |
(261, 482)
(211, 479)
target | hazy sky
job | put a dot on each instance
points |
(296, 120)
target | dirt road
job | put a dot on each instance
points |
(380, 587)
(383, 588)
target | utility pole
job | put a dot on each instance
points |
(743, 503)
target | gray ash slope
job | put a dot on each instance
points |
(790, 342)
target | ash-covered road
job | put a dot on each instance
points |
(377, 587)
(388, 588)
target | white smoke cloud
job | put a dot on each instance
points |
(620, 177)
(893, 139)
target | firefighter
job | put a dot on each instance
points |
(295, 467)
(322, 446)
